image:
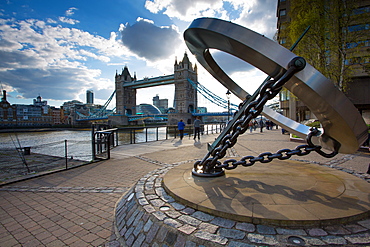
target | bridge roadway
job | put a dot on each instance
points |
(76, 207)
(151, 82)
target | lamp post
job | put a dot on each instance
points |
(228, 104)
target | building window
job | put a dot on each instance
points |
(357, 60)
(284, 95)
(307, 114)
(359, 27)
(361, 10)
(282, 12)
(362, 43)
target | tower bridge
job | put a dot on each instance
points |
(185, 105)
(185, 98)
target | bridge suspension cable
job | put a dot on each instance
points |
(211, 96)
(102, 111)
(206, 93)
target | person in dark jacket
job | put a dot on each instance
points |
(181, 127)
(197, 125)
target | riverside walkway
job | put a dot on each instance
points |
(76, 207)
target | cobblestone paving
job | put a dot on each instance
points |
(65, 189)
(148, 216)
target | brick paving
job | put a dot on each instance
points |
(69, 208)
(76, 207)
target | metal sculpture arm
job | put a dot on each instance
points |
(212, 167)
(340, 119)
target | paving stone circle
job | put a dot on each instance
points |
(147, 216)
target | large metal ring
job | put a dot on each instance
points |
(341, 121)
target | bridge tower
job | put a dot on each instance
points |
(185, 100)
(125, 96)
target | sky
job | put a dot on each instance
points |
(59, 49)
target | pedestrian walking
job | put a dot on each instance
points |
(261, 125)
(197, 125)
(181, 127)
(255, 124)
(251, 126)
(267, 124)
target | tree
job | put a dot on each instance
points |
(327, 46)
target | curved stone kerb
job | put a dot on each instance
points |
(140, 222)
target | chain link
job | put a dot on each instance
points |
(211, 165)
(267, 157)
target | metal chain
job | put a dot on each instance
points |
(269, 90)
(267, 157)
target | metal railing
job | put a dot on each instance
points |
(103, 139)
(41, 157)
(133, 135)
(33, 153)
(206, 129)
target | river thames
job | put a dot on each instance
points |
(78, 141)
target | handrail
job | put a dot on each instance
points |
(103, 140)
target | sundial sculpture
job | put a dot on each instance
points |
(343, 127)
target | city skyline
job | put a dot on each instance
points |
(89, 97)
(60, 49)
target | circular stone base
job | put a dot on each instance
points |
(283, 193)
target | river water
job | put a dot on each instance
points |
(78, 142)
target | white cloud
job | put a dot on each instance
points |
(93, 55)
(71, 11)
(49, 20)
(258, 15)
(47, 58)
(68, 20)
(41, 58)
(186, 10)
(143, 19)
(7, 45)
(156, 5)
